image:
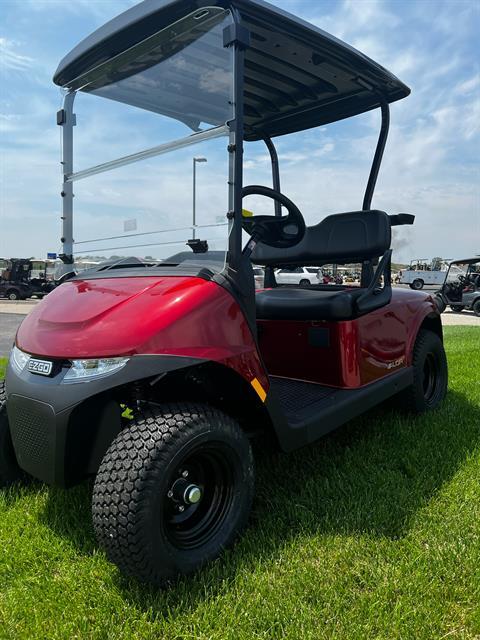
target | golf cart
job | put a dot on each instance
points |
(16, 282)
(153, 376)
(461, 289)
(14, 279)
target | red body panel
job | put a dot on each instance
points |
(188, 316)
(182, 316)
(358, 352)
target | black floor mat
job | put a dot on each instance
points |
(297, 398)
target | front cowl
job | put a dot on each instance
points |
(124, 316)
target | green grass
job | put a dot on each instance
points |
(372, 533)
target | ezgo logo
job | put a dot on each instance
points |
(42, 367)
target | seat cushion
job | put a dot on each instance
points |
(283, 303)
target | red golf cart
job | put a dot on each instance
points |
(153, 375)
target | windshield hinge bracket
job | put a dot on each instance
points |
(236, 35)
(197, 245)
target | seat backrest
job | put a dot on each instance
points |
(356, 236)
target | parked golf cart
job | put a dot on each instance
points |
(16, 282)
(153, 377)
(461, 289)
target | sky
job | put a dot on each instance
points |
(431, 165)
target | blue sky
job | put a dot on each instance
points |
(432, 159)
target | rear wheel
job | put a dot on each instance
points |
(173, 490)
(304, 282)
(12, 294)
(457, 308)
(430, 374)
(417, 284)
(476, 307)
(10, 472)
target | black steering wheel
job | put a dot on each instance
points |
(280, 232)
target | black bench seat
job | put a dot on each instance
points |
(285, 303)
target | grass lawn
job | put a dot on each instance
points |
(372, 533)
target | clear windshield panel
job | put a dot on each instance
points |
(465, 270)
(457, 270)
(183, 72)
(145, 211)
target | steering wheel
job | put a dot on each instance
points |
(280, 232)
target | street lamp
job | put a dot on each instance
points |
(194, 218)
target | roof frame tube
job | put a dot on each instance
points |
(275, 171)
(377, 158)
(269, 278)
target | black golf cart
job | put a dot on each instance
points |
(461, 289)
(154, 375)
(16, 282)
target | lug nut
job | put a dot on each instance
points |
(185, 474)
(181, 508)
(170, 494)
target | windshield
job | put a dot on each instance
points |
(183, 71)
(169, 210)
(459, 271)
(151, 210)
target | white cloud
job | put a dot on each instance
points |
(10, 59)
(469, 86)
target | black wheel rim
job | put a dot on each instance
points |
(429, 377)
(208, 467)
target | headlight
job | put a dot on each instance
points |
(82, 370)
(18, 359)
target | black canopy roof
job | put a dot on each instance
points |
(466, 261)
(296, 75)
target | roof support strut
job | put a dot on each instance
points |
(377, 158)
(275, 171)
(269, 280)
(367, 267)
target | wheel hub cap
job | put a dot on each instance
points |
(184, 492)
(193, 494)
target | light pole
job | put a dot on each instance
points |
(194, 217)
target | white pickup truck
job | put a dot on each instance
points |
(421, 273)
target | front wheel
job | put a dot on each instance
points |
(304, 282)
(417, 284)
(13, 295)
(10, 472)
(457, 308)
(476, 308)
(430, 374)
(173, 490)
